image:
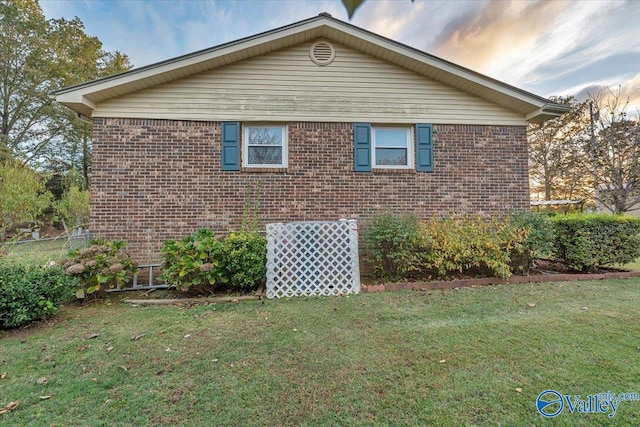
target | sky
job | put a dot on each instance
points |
(550, 48)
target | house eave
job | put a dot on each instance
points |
(548, 112)
(83, 97)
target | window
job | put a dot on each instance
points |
(265, 146)
(392, 147)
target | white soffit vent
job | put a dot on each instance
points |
(322, 53)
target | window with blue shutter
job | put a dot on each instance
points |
(230, 146)
(424, 148)
(362, 147)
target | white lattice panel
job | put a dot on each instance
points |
(312, 258)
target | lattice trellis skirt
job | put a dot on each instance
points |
(312, 258)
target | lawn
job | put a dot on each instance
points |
(474, 356)
(40, 252)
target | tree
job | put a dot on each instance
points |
(558, 154)
(616, 157)
(25, 77)
(23, 196)
(38, 56)
(73, 207)
(71, 149)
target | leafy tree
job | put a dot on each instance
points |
(26, 71)
(23, 196)
(38, 56)
(558, 154)
(73, 207)
(617, 152)
(72, 148)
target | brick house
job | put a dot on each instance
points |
(334, 122)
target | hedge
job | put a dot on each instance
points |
(585, 242)
(30, 293)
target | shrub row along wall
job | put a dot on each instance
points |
(399, 246)
(154, 180)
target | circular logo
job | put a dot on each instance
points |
(549, 403)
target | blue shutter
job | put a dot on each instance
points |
(424, 148)
(230, 146)
(362, 147)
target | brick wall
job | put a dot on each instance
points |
(158, 179)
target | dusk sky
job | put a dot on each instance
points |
(545, 47)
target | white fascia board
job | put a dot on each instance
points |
(547, 111)
(77, 102)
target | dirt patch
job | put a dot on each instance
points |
(553, 267)
(487, 281)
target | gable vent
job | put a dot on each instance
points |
(322, 53)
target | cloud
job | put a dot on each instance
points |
(627, 85)
(547, 47)
(491, 38)
(416, 23)
(388, 18)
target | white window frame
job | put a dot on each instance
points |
(245, 145)
(410, 149)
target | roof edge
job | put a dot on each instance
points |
(545, 107)
(189, 55)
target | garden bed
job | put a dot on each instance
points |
(543, 276)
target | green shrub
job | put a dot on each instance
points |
(100, 266)
(194, 264)
(244, 257)
(588, 241)
(472, 246)
(23, 195)
(539, 242)
(30, 293)
(393, 244)
(73, 207)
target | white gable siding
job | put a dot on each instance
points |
(288, 86)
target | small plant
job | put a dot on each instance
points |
(472, 245)
(401, 246)
(100, 266)
(250, 219)
(244, 257)
(539, 243)
(194, 263)
(30, 293)
(394, 244)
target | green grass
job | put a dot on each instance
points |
(39, 252)
(437, 358)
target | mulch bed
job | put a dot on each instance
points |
(544, 272)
